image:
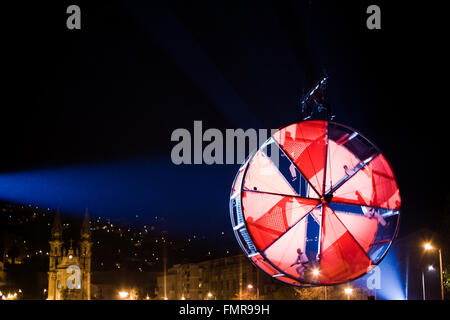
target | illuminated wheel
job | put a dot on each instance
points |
(316, 204)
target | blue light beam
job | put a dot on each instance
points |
(189, 196)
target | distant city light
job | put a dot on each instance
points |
(123, 294)
(430, 268)
(428, 246)
(9, 296)
(316, 272)
(250, 286)
(348, 291)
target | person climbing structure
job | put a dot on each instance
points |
(302, 262)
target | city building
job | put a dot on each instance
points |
(2, 274)
(107, 285)
(223, 279)
(69, 276)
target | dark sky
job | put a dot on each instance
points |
(118, 87)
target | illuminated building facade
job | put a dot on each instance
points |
(2, 274)
(69, 276)
(224, 278)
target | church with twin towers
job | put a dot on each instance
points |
(69, 275)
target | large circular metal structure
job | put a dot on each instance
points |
(316, 204)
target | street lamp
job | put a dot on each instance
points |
(430, 268)
(316, 273)
(348, 291)
(429, 247)
(250, 287)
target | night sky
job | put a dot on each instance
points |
(114, 91)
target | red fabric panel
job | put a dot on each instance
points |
(304, 142)
(262, 237)
(341, 258)
(362, 228)
(283, 252)
(386, 190)
(298, 208)
(256, 204)
(374, 185)
(338, 157)
(265, 224)
(263, 175)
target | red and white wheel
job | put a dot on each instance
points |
(316, 204)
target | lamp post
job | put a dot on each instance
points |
(423, 286)
(316, 273)
(257, 285)
(429, 247)
(441, 274)
(430, 268)
(348, 291)
(250, 287)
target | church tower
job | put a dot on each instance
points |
(85, 256)
(55, 256)
(69, 276)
